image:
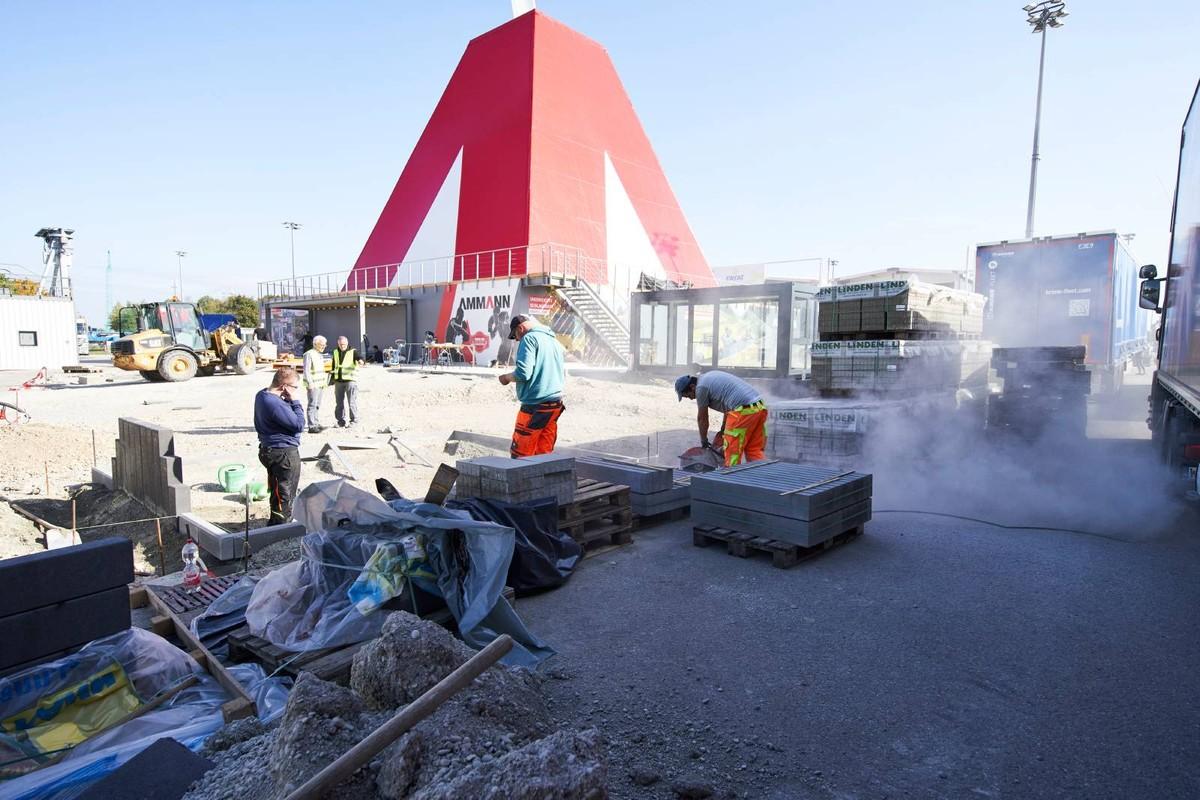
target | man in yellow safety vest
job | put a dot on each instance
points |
(345, 385)
(315, 381)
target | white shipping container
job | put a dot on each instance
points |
(37, 332)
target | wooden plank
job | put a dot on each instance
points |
(137, 596)
(242, 704)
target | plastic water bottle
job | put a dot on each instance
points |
(193, 567)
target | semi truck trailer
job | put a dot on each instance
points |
(1066, 291)
(1175, 393)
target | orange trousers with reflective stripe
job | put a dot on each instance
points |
(537, 429)
(745, 436)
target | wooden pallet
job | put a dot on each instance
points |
(783, 554)
(598, 515)
(331, 664)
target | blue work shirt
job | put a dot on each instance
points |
(278, 422)
(539, 371)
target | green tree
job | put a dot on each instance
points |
(114, 315)
(209, 305)
(244, 308)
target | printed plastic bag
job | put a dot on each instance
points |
(57, 706)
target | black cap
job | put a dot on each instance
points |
(514, 323)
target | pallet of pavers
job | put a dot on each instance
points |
(776, 507)
(653, 489)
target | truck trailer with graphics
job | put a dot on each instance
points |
(1063, 291)
(1175, 394)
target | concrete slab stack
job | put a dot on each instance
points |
(797, 503)
(882, 366)
(517, 480)
(62, 598)
(1045, 389)
(899, 306)
(147, 469)
(652, 489)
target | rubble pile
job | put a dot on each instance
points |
(494, 739)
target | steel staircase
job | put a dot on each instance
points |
(597, 315)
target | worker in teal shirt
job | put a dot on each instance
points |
(539, 376)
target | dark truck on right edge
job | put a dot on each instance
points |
(1175, 396)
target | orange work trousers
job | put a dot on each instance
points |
(745, 436)
(537, 429)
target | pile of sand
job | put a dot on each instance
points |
(18, 536)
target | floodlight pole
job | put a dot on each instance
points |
(1046, 14)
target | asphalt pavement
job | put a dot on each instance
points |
(932, 657)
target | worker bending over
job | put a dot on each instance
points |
(744, 426)
(539, 375)
(279, 421)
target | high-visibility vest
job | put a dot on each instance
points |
(344, 364)
(314, 370)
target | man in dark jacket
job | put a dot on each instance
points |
(279, 420)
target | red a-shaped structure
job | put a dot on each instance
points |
(534, 140)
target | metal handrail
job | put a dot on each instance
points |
(547, 258)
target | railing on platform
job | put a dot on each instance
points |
(612, 283)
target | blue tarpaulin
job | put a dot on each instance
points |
(210, 322)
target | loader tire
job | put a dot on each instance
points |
(242, 359)
(177, 365)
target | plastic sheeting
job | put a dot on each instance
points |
(56, 706)
(307, 605)
(223, 615)
(544, 557)
(189, 717)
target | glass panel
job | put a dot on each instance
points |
(653, 335)
(661, 335)
(801, 335)
(749, 334)
(682, 334)
(702, 335)
(186, 326)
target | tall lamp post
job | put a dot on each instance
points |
(1043, 15)
(179, 254)
(292, 228)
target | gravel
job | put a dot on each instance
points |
(494, 738)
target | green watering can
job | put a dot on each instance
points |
(257, 490)
(232, 477)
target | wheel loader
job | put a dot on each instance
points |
(166, 342)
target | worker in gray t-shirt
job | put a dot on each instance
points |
(744, 425)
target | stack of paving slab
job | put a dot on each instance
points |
(517, 480)
(900, 306)
(852, 431)
(652, 489)
(899, 337)
(1044, 388)
(798, 503)
(882, 366)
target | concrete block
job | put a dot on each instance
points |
(163, 771)
(102, 478)
(798, 491)
(42, 579)
(645, 505)
(640, 478)
(227, 546)
(50, 629)
(802, 532)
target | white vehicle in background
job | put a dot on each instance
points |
(81, 334)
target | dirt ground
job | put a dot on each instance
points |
(213, 422)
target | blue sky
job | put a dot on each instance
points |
(890, 135)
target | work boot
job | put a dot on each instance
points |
(316, 429)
